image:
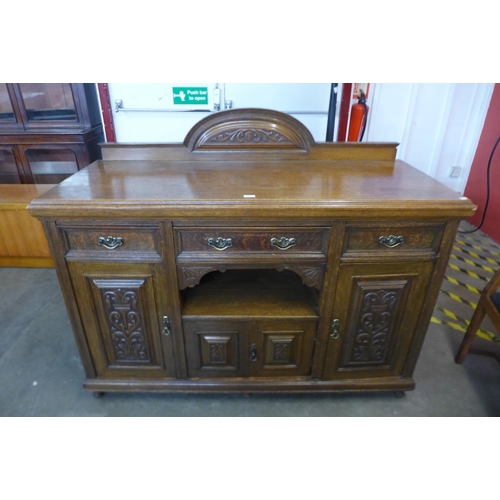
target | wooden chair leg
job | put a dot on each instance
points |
(470, 334)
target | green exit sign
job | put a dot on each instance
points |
(190, 95)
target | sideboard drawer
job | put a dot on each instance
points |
(114, 240)
(377, 240)
(221, 241)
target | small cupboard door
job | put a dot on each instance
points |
(122, 311)
(281, 348)
(376, 310)
(246, 347)
(216, 348)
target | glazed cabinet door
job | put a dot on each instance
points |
(125, 314)
(376, 310)
(11, 169)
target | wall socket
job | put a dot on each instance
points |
(455, 171)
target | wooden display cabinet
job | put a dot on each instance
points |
(22, 239)
(250, 258)
(48, 131)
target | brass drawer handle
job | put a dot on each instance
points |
(111, 242)
(220, 243)
(283, 243)
(335, 329)
(391, 241)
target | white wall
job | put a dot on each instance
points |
(437, 125)
(166, 122)
(308, 102)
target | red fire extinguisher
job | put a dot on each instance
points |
(359, 115)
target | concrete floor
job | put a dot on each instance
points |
(41, 373)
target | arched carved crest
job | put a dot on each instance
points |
(249, 129)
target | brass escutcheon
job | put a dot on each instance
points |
(335, 329)
(166, 325)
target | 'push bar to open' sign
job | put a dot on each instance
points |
(190, 95)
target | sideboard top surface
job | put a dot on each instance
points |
(246, 188)
(231, 165)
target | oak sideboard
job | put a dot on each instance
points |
(250, 258)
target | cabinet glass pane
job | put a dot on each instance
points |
(48, 101)
(6, 111)
(51, 166)
(8, 168)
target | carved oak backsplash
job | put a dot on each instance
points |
(233, 130)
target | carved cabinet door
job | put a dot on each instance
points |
(125, 316)
(376, 310)
(281, 347)
(246, 347)
(216, 348)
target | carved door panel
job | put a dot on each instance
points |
(216, 348)
(122, 309)
(281, 348)
(376, 310)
